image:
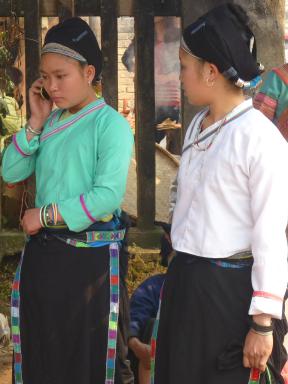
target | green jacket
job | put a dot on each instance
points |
(81, 163)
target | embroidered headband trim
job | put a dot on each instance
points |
(62, 50)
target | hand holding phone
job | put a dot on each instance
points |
(44, 94)
(40, 104)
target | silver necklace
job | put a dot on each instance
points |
(196, 141)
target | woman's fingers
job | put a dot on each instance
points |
(262, 364)
(36, 89)
(246, 362)
(36, 86)
(33, 232)
(255, 362)
(38, 83)
(251, 360)
(257, 350)
(30, 222)
(39, 106)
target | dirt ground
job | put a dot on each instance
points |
(6, 360)
(5, 365)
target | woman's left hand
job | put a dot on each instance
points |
(31, 221)
(257, 350)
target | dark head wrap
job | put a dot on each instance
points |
(76, 35)
(222, 37)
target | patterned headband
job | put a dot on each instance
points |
(62, 50)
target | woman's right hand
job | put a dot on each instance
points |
(40, 108)
(141, 350)
(257, 350)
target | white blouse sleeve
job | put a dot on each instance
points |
(268, 185)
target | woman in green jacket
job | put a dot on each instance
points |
(69, 295)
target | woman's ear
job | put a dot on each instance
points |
(210, 74)
(90, 73)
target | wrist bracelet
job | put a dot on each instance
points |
(54, 213)
(261, 328)
(44, 216)
(28, 128)
(262, 333)
(40, 217)
(47, 219)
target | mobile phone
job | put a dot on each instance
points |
(44, 94)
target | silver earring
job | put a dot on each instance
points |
(210, 83)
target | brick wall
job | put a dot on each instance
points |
(125, 79)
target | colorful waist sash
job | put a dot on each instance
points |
(88, 238)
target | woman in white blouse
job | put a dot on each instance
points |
(222, 301)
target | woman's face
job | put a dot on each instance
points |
(193, 79)
(65, 81)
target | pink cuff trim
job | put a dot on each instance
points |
(85, 209)
(18, 148)
(267, 295)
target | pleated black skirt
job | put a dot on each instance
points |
(64, 314)
(203, 323)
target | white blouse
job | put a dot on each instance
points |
(233, 197)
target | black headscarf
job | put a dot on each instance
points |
(222, 37)
(75, 33)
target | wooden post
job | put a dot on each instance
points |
(32, 25)
(87, 7)
(109, 38)
(145, 112)
(167, 7)
(66, 9)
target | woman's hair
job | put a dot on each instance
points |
(75, 39)
(241, 17)
(222, 37)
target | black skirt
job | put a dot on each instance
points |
(64, 315)
(203, 323)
